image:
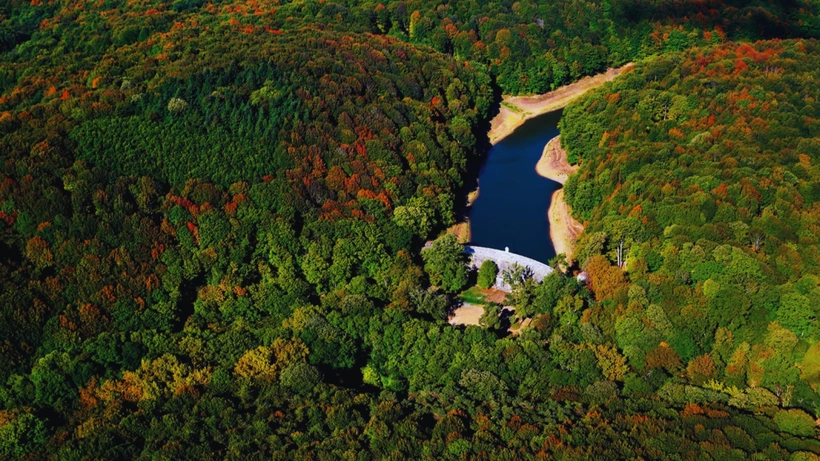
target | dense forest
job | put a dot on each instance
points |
(699, 178)
(212, 216)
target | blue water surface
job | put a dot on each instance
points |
(511, 209)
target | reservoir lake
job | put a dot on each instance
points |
(511, 208)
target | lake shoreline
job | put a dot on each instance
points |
(515, 110)
(564, 229)
(553, 163)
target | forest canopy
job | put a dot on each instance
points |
(701, 167)
(212, 216)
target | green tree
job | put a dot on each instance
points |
(795, 422)
(491, 316)
(56, 380)
(487, 274)
(300, 377)
(21, 435)
(516, 275)
(446, 263)
(430, 303)
(177, 105)
(414, 218)
(623, 233)
(796, 314)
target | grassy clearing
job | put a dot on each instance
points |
(473, 295)
(476, 295)
(511, 106)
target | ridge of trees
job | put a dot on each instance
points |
(698, 185)
(211, 216)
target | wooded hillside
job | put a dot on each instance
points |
(700, 178)
(212, 215)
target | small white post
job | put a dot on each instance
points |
(507, 249)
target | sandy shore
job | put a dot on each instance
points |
(553, 162)
(564, 229)
(515, 110)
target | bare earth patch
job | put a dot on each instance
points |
(470, 314)
(564, 229)
(553, 163)
(515, 110)
(494, 295)
(518, 325)
(517, 328)
(472, 196)
(461, 231)
(467, 314)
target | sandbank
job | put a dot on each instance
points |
(515, 110)
(564, 229)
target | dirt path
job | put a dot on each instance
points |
(564, 229)
(515, 110)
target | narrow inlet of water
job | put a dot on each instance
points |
(512, 204)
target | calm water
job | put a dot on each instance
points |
(511, 209)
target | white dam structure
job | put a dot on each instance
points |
(505, 262)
